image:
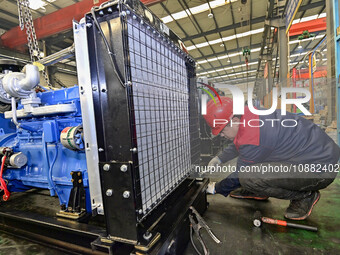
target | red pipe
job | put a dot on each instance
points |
(294, 85)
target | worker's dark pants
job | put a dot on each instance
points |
(285, 185)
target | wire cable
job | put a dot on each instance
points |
(50, 171)
(111, 54)
(3, 185)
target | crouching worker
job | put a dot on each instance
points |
(280, 156)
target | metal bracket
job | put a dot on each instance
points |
(338, 31)
(150, 239)
(101, 244)
(87, 108)
(278, 22)
(76, 207)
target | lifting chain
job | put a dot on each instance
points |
(26, 20)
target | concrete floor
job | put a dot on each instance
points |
(231, 221)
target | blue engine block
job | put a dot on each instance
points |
(49, 164)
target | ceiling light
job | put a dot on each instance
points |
(309, 18)
(226, 39)
(221, 45)
(300, 46)
(313, 17)
(228, 60)
(36, 4)
(198, 9)
(226, 56)
(180, 15)
(39, 4)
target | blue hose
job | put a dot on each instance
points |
(52, 188)
(50, 171)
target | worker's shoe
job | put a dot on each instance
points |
(211, 188)
(301, 209)
(242, 193)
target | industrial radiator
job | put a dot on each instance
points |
(146, 114)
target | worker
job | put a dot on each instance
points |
(275, 159)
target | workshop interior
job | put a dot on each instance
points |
(104, 140)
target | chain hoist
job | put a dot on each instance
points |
(26, 20)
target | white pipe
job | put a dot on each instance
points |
(31, 79)
(14, 113)
(19, 84)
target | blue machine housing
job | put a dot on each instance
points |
(6, 126)
(49, 163)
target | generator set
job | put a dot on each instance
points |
(113, 154)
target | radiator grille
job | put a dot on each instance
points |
(160, 96)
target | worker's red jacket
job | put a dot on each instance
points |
(274, 141)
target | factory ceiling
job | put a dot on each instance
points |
(216, 33)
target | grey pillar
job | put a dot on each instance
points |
(283, 54)
(331, 83)
(270, 76)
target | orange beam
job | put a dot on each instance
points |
(54, 23)
(317, 74)
(303, 74)
(311, 26)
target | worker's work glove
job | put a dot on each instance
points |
(215, 161)
(211, 188)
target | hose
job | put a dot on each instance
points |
(51, 168)
(108, 48)
(3, 185)
(48, 166)
(53, 188)
(14, 112)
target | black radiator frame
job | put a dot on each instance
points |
(115, 121)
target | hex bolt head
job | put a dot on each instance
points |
(126, 194)
(124, 168)
(109, 192)
(147, 235)
(106, 167)
(134, 150)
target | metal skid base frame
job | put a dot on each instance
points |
(169, 233)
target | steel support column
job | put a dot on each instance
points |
(336, 24)
(283, 54)
(331, 100)
(270, 76)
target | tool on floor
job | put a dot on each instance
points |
(258, 219)
(196, 223)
